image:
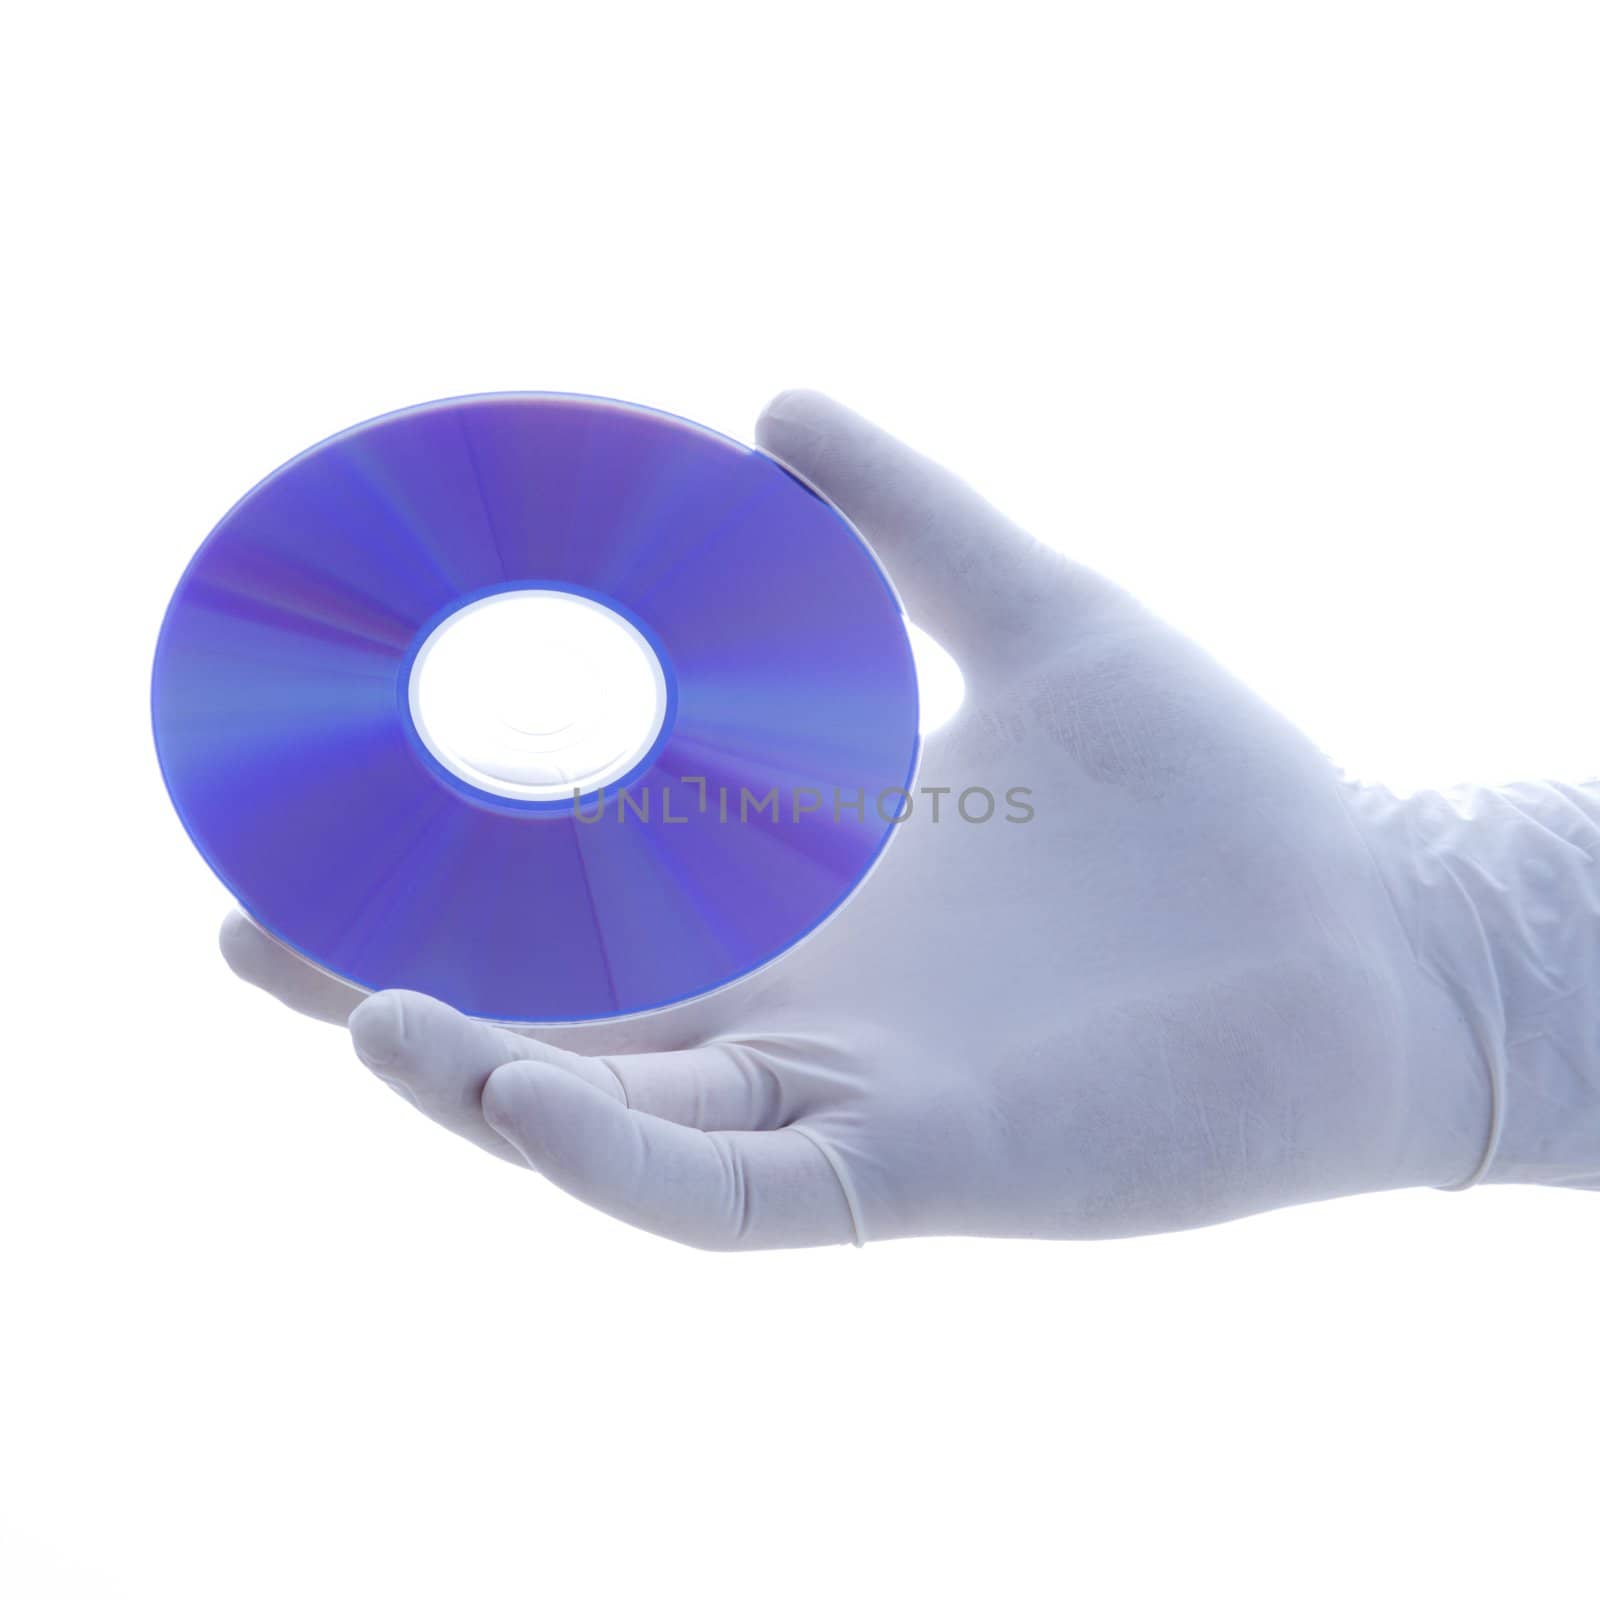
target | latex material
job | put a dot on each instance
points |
(1208, 977)
(1499, 890)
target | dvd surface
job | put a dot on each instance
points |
(554, 707)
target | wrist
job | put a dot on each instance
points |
(1498, 891)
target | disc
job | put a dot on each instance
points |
(553, 707)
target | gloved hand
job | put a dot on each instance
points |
(1206, 978)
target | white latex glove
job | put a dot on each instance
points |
(1207, 978)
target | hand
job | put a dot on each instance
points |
(1179, 992)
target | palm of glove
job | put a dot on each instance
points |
(1177, 992)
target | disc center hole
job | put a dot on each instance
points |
(537, 693)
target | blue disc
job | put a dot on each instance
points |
(785, 732)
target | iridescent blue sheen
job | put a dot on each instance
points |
(279, 722)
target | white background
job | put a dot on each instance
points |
(1285, 315)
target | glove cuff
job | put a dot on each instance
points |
(1499, 891)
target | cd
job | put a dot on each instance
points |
(554, 707)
